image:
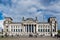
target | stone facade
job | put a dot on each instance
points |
(30, 26)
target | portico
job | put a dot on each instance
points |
(30, 28)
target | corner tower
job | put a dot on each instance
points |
(53, 23)
(6, 23)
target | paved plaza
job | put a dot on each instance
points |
(40, 38)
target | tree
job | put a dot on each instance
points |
(58, 31)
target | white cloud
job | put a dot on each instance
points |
(21, 8)
(25, 8)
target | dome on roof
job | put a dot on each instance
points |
(29, 19)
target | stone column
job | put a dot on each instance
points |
(37, 29)
(24, 29)
(31, 28)
(28, 28)
(56, 29)
(34, 28)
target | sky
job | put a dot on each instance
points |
(16, 9)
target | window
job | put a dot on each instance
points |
(21, 30)
(9, 22)
(16, 26)
(14, 30)
(38, 30)
(48, 26)
(41, 30)
(18, 30)
(48, 30)
(6, 26)
(6, 21)
(41, 26)
(12, 26)
(53, 30)
(7, 30)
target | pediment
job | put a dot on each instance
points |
(29, 21)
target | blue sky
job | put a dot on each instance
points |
(17, 9)
(1, 16)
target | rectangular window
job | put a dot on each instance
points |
(7, 30)
(14, 30)
(6, 26)
(48, 30)
(53, 30)
(38, 30)
(16, 26)
(48, 26)
(41, 30)
(11, 26)
(18, 30)
(21, 30)
(41, 26)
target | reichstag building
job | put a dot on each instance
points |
(30, 26)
